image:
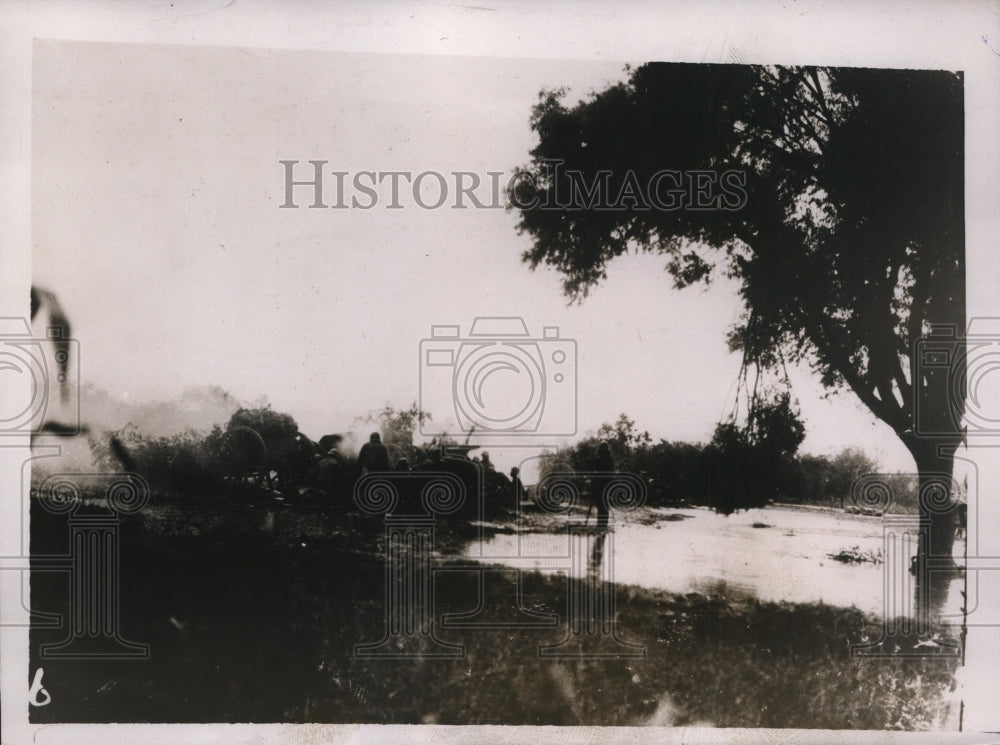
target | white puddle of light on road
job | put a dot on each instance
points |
(786, 561)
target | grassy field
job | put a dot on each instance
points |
(252, 616)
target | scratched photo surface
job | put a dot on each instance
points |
(423, 390)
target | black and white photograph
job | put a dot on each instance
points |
(388, 367)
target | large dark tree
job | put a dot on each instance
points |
(834, 195)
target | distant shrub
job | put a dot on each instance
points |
(741, 467)
(178, 462)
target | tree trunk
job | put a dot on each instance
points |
(934, 568)
(935, 460)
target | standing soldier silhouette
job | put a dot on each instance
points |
(603, 467)
(517, 488)
(374, 456)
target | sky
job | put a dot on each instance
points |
(156, 185)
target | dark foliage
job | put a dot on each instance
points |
(738, 469)
(849, 244)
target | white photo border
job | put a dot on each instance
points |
(954, 36)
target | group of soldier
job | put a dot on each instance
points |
(478, 475)
(500, 492)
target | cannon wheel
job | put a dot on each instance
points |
(246, 450)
